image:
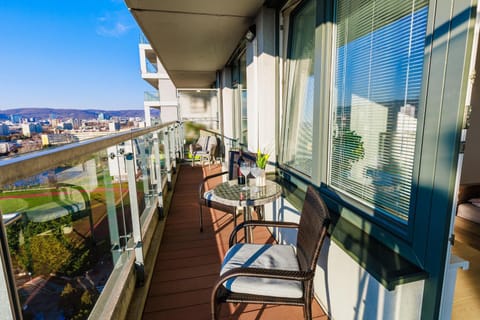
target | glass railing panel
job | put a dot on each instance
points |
(163, 165)
(60, 243)
(151, 67)
(141, 164)
(70, 228)
(151, 96)
(116, 186)
(149, 179)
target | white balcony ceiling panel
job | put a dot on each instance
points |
(244, 8)
(194, 38)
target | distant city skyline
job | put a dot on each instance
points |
(64, 54)
(70, 113)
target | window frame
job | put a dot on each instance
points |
(411, 239)
(239, 86)
(387, 221)
(288, 18)
(398, 233)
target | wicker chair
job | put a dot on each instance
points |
(274, 273)
(232, 174)
(205, 202)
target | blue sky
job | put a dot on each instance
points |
(69, 54)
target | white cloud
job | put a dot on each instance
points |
(114, 24)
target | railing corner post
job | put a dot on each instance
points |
(134, 211)
(159, 180)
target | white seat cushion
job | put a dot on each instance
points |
(202, 141)
(262, 256)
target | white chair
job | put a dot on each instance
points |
(205, 148)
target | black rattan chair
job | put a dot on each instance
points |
(232, 174)
(274, 273)
(204, 202)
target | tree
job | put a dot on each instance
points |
(87, 299)
(347, 149)
(48, 254)
(69, 300)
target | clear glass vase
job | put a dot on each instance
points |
(261, 180)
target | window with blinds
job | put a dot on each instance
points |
(378, 78)
(297, 152)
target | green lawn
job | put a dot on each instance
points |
(10, 205)
(17, 201)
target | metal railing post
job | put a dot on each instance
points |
(158, 173)
(179, 140)
(182, 140)
(177, 143)
(144, 147)
(168, 164)
(172, 150)
(137, 232)
(112, 216)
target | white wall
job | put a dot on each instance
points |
(227, 108)
(167, 92)
(347, 291)
(262, 84)
(142, 49)
(168, 114)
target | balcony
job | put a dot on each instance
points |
(108, 258)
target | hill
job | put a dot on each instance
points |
(81, 114)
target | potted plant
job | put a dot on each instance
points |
(261, 162)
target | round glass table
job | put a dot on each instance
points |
(232, 194)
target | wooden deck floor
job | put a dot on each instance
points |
(188, 262)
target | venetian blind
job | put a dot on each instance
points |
(378, 78)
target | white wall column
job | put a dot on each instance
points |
(261, 84)
(227, 109)
(252, 93)
(148, 120)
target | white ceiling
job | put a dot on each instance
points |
(194, 38)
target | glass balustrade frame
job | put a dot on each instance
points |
(69, 195)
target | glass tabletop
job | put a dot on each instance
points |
(231, 193)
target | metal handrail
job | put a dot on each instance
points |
(220, 134)
(24, 166)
